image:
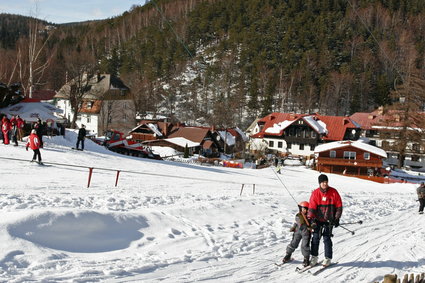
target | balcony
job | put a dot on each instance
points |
(349, 162)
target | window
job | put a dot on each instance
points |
(349, 155)
(302, 146)
(88, 118)
(313, 134)
(312, 146)
(271, 143)
(124, 117)
(416, 147)
(415, 157)
(307, 133)
(289, 145)
(279, 144)
(298, 132)
(332, 154)
(366, 156)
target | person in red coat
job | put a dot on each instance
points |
(20, 124)
(5, 128)
(324, 210)
(34, 144)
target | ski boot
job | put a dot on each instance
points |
(314, 260)
(306, 261)
(287, 258)
(326, 262)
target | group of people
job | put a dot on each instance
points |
(318, 216)
(11, 129)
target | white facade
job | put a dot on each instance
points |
(91, 121)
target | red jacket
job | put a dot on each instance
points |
(33, 142)
(21, 122)
(6, 125)
(325, 206)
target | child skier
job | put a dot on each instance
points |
(302, 231)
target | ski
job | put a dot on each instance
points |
(77, 149)
(323, 268)
(302, 269)
(282, 263)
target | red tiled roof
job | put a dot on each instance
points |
(337, 126)
(388, 119)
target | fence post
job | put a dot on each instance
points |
(241, 189)
(253, 189)
(116, 181)
(90, 173)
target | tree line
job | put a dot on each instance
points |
(227, 62)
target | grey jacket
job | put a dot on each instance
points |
(421, 191)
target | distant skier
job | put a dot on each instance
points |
(39, 128)
(34, 144)
(421, 197)
(81, 137)
(302, 231)
(325, 209)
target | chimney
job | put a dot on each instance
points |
(212, 128)
(381, 110)
(165, 127)
(345, 121)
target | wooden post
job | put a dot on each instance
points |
(116, 180)
(241, 189)
(90, 173)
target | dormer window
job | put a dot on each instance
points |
(90, 104)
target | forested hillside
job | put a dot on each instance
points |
(225, 62)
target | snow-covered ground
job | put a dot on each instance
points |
(176, 222)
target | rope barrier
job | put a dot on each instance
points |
(91, 168)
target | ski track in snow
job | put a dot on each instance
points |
(157, 229)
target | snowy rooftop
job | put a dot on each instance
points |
(357, 144)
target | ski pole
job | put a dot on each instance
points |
(352, 232)
(349, 223)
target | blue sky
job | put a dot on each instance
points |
(65, 11)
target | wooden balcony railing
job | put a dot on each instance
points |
(349, 162)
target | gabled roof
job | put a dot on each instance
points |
(98, 86)
(357, 144)
(390, 119)
(157, 127)
(330, 127)
(336, 126)
(194, 134)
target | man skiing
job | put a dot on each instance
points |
(302, 231)
(421, 197)
(325, 209)
(34, 144)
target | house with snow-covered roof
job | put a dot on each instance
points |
(355, 158)
(383, 128)
(299, 134)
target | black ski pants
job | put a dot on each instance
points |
(324, 230)
(421, 204)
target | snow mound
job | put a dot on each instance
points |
(83, 232)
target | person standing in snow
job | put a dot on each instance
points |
(421, 197)
(34, 144)
(20, 123)
(39, 128)
(302, 231)
(81, 137)
(5, 128)
(325, 210)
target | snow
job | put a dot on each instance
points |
(175, 222)
(357, 144)
(180, 141)
(317, 125)
(227, 137)
(278, 127)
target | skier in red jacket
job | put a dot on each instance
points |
(34, 144)
(325, 209)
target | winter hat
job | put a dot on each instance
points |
(323, 178)
(33, 131)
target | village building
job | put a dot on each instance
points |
(355, 158)
(107, 104)
(383, 130)
(299, 134)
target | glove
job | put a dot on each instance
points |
(335, 223)
(26, 148)
(292, 229)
